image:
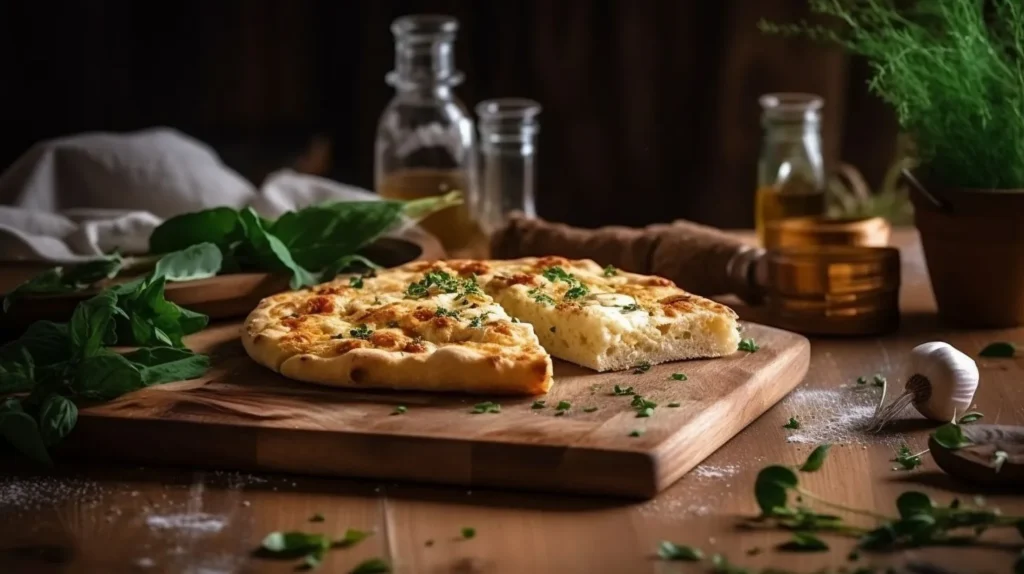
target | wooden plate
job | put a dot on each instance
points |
(222, 297)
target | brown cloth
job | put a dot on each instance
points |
(696, 257)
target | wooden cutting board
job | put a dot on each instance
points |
(243, 416)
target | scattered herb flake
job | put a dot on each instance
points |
(907, 459)
(675, 405)
(641, 368)
(361, 332)
(610, 271)
(644, 413)
(672, 551)
(442, 312)
(878, 380)
(537, 405)
(486, 407)
(468, 532)
(399, 410)
(540, 297)
(356, 282)
(792, 424)
(623, 391)
(316, 517)
(371, 566)
(636, 432)
(351, 538)
(589, 409)
(631, 307)
(999, 350)
(478, 321)
(862, 380)
(563, 406)
(748, 345)
(816, 458)
(679, 377)
(804, 542)
(577, 291)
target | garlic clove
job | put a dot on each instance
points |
(942, 379)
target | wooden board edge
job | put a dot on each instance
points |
(792, 364)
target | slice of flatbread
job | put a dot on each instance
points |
(600, 318)
(400, 330)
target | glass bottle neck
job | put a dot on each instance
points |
(424, 54)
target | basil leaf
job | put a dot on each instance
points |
(951, 436)
(371, 566)
(66, 280)
(199, 261)
(92, 323)
(105, 377)
(970, 417)
(216, 225)
(156, 321)
(672, 551)
(912, 503)
(270, 252)
(816, 458)
(999, 350)
(294, 543)
(17, 372)
(343, 263)
(772, 486)
(166, 364)
(804, 542)
(57, 416)
(22, 432)
(47, 342)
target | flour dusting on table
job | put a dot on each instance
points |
(837, 416)
(198, 522)
(33, 492)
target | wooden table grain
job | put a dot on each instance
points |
(92, 518)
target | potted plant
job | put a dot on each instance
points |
(953, 70)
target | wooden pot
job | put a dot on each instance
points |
(973, 243)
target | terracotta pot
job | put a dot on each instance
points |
(973, 243)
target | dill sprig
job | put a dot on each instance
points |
(952, 69)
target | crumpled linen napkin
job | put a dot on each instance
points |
(75, 198)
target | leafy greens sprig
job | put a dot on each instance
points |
(921, 522)
(60, 365)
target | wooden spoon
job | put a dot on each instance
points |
(975, 463)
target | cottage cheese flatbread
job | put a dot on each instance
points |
(483, 326)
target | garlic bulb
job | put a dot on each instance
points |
(940, 382)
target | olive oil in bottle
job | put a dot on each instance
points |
(791, 171)
(454, 226)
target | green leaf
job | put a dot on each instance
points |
(67, 280)
(217, 226)
(882, 537)
(679, 377)
(772, 486)
(951, 436)
(57, 416)
(159, 365)
(344, 263)
(200, 261)
(913, 503)
(400, 410)
(538, 405)
(371, 566)
(294, 543)
(792, 424)
(999, 350)
(314, 559)
(816, 458)
(970, 418)
(153, 320)
(351, 538)
(804, 542)
(749, 345)
(418, 209)
(672, 551)
(21, 431)
(468, 532)
(17, 371)
(92, 322)
(271, 253)
(105, 377)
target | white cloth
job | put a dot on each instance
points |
(75, 198)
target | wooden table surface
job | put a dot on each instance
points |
(82, 518)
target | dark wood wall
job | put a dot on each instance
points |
(650, 106)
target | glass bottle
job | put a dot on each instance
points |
(508, 133)
(791, 169)
(425, 138)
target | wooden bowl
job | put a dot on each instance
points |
(222, 297)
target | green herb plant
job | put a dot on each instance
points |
(953, 70)
(311, 547)
(53, 367)
(920, 522)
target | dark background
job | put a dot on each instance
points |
(650, 106)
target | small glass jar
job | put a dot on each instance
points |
(508, 134)
(791, 169)
(425, 138)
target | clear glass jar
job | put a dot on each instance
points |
(425, 138)
(508, 134)
(791, 169)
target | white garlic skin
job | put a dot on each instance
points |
(953, 377)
